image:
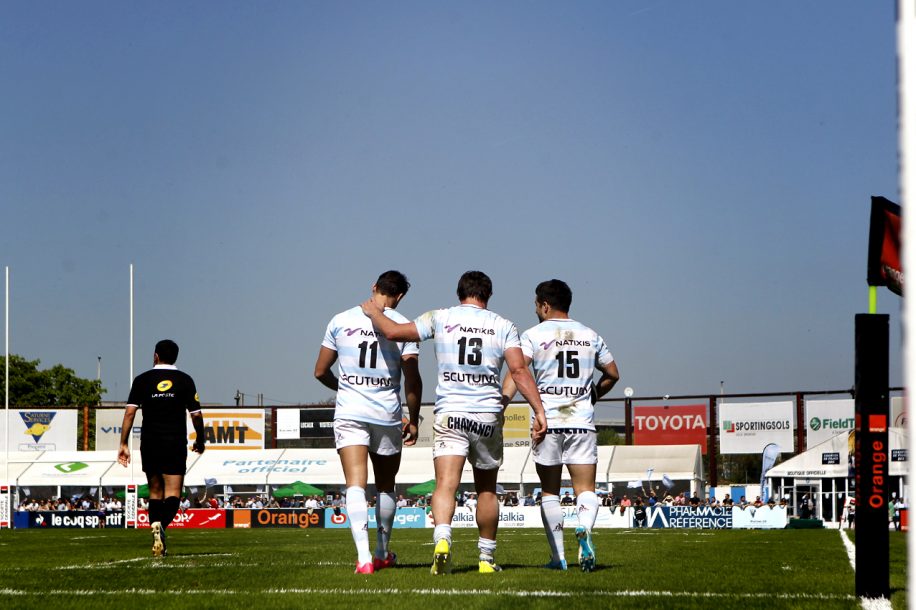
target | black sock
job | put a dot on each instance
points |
(155, 511)
(169, 510)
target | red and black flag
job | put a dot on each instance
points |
(884, 268)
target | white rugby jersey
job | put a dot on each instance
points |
(470, 348)
(564, 354)
(369, 368)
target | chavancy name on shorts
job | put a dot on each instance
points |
(456, 422)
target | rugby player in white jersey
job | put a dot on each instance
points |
(565, 354)
(367, 415)
(471, 345)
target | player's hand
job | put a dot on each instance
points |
(198, 446)
(369, 307)
(410, 434)
(124, 456)
(538, 428)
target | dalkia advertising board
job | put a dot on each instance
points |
(681, 425)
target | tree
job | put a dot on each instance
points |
(609, 436)
(57, 386)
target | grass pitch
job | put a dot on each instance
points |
(314, 569)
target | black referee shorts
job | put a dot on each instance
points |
(164, 455)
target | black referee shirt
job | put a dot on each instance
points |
(165, 395)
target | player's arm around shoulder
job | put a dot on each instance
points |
(524, 381)
(391, 330)
(510, 389)
(413, 393)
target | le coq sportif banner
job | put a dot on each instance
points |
(749, 427)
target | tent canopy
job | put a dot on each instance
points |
(297, 488)
(421, 489)
(816, 462)
(321, 467)
(631, 462)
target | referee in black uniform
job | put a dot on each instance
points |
(165, 394)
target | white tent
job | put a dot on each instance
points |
(416, 465)
(18, 463)
(233, 467)
(823, 472)
(321, 467)
(74, 468)
(678, 462)
(830, 459)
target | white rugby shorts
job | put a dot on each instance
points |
(381, 440)
(476, 436)
(567, 446)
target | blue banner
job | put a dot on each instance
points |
(702, 517)
(405, 517)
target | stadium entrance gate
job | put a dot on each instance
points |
(813, 488)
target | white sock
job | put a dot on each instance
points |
(487, 548)
(384, 518)
(552, 517)
(588, 509)
(443, 531)
(358, 513)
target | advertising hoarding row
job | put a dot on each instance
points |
(746, 428)
(518, 517)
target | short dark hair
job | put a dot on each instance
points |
(392, 283)
(167, 350)
(555, 293)
(476, 285)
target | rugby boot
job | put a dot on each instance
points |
(442, 558)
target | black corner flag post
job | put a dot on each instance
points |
(872, 456)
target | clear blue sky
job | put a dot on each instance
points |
(699, 173)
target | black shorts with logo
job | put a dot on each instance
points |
(164, 455)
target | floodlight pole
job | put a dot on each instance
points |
(6, 382)
(906, 109)
(130, 435)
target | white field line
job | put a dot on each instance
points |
(880, 603)
(850, 549)
(186, 562)
(432, 592)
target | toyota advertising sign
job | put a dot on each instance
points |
(681, 425)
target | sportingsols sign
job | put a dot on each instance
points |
(681, 425)
(749, 427)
